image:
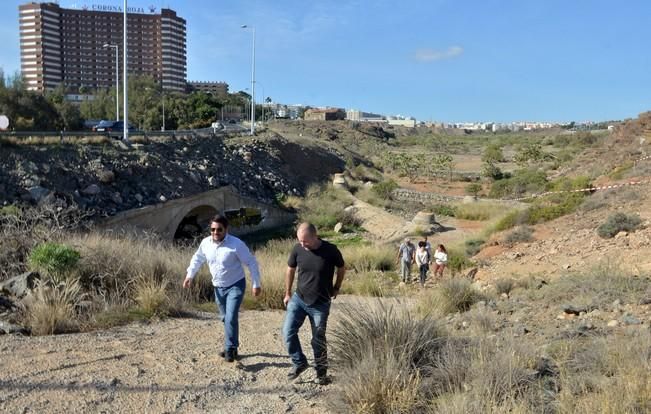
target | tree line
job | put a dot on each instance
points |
(50, 111)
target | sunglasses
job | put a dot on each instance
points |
(217, 229)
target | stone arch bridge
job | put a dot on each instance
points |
(173, 218)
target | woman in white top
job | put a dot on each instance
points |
(440, 260)
(422, 260)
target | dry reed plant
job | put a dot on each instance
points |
(52, 310)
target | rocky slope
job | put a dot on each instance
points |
(106, 178)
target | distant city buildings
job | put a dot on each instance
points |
(357, 115)
(324, 114)
(496, 127)
(67, 46)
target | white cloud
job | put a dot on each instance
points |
(431, 55)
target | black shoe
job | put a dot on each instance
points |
(230, 355)
(323, 379)
(296, 371)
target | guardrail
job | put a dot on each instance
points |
(66, 135)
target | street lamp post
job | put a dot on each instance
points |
(125, 122)
(163, 99)
(244, 26)
(117, 81)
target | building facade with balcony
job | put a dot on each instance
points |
(66, 46)
(213, 88)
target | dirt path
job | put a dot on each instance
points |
(381, 224)
(167, 366)
(387, 227)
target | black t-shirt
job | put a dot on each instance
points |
(315, 270)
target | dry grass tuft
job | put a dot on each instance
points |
(151, 296)
(452, 295)
(384, 354)
(53, 308)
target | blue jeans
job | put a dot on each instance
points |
(229, 300)
(297, 311)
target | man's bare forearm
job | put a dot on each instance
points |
(289, 280)
(341, 271)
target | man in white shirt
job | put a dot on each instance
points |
(226, 255)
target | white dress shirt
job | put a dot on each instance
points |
(225, 260)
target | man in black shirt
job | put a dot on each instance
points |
(316, 261)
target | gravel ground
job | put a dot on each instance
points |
(164, 366)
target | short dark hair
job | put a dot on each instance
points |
(422, 244)
(218, 218)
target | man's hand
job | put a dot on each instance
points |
(256, 291)
(187, 282)
(335, 292)
(286, 299)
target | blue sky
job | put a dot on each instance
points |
(441, 60)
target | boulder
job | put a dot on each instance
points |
(7, 328)
(424, 218)
(338, 227)
(339, 181)
(575, 310)
(92, 189)
(38, 193)
(21, 285)
(106, 176)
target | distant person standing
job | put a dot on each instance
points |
(440, 260)
(428, 246)
(422, 261)
(406, 256)
(315, 261)
(226, 255)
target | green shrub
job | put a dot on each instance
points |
(10, 210)
(479, 211)
(444, 210)
(509, 221)
(492, 171)
(618, 222)
(549, 207)
(457, 261)
(492, 154)
(473, 246)
(523, 181)
(618, 172)
(384, 189)
(323, 206)
(473, 189)
(54, 259)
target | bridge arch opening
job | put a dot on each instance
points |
(195, 223)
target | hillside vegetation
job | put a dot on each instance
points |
(545, 305)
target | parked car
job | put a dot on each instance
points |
(112, 126)
(104, 126)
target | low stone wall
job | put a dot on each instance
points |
(404, 194)
(411, 195)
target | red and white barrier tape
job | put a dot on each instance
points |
(582, 190)
(642, 159)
